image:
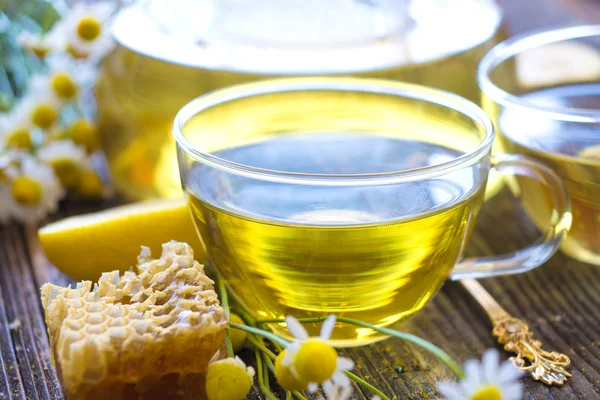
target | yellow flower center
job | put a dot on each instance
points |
(90, 185)
(40, 50)
(285, 377)
(67, 171)
(26, 191)
(44, 116)
(89, 28)
(227, 379)
(315, 361)
(85, 134)
(63, 86)
(19, 139)
(487, 392)
(76, 53)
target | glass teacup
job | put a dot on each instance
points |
(550, 110)
(349, 196)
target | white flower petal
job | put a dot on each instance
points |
(344, 363)
(340, 379)
(327, 327)
(473, 377)
(507, 373)
(512, 392)
(312, 387)
(296, 328)
(328, 387)
(291, 351)
(67, 150)
(489, 364)
(451, 391)
(347, 392)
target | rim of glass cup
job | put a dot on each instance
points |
(282, 85)
(527, 41)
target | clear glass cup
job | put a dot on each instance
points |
(171, 51)
(349, 196)
(550, 110)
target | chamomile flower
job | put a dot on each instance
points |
(87, 34)
(488, 380)
(67, 160)
(64, 79)
(84, 133)
(15, 130)
(228, 379)
(313, 360)
(284, 375)
(8, 169)
(91, 186)
(38, 44)
(34, 192)
(41, 106)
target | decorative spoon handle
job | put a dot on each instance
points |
(514, 334)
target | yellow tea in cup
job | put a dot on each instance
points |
(550, 111)
(345, 196)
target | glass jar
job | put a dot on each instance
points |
(170, 52)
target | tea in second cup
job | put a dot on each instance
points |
(346, 196)
(553, 114)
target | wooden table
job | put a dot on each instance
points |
(560, 301)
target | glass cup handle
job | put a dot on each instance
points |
(536, 254)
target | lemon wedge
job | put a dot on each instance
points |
(85, 246)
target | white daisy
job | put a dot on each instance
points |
(67, 159)
(41, 106)
(86, 30)
(313, 360)
(64, 79)
(15, 129)
(91, 185)
(33, 193)
(488, 380)
(36, 43)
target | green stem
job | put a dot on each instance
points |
(299, 395)
(241, 311)
(264, 386)
(271, 336)
(225, 304)
(441, 354)
(261, 346)
(366, 384)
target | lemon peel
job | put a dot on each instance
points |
(84, 246)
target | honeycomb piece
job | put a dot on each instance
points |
(148, 335)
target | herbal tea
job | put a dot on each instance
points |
(375, 253)
(157, 68)
(570, 149)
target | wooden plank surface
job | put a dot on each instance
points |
(560, 301)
